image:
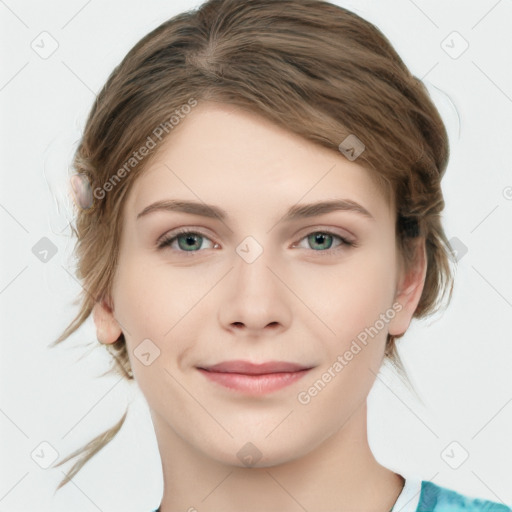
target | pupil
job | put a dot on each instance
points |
(189, 241)
(320, 238)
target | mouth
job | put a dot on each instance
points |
(254, 379)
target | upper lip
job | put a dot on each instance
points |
(249, 368)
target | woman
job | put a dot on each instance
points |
(263, 223)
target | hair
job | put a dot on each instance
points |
(314, 68)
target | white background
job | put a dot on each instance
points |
(459, 361)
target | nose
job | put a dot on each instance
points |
(255, 301)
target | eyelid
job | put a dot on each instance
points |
(345, 243)
(342, 233)
(346, 240)
(307, 230)
(182, 230)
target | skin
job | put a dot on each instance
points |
(296, 302)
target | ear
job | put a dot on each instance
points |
(108, 329)
(409, 289)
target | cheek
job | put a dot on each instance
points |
(156, 303)
(362, 289)
(150, 299)
(359, 294)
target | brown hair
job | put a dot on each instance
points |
(309, 66)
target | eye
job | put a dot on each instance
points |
(188, 241)
(322, 241)
(192, 241)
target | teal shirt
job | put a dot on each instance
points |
(425, 496)
(439, 499)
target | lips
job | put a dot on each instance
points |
(254, 379)
(248, 368)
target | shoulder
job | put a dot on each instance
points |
(434, 498)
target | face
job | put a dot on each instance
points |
(255, 277)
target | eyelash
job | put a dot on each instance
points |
(167, 240)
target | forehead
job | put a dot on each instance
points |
(223, 155)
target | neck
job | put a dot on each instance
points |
(340, 474)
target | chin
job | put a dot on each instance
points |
(256, 454)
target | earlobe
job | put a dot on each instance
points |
(409, 290)
(107, 327)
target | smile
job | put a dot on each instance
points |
(254, 379)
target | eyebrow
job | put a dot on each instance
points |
(296, 212)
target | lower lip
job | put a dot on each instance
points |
(254, 384)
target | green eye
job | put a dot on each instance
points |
(188, 241)
(322, 241)
(192, 241)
